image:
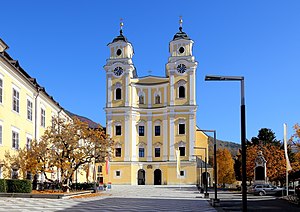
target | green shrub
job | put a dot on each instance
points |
(3, 185)
(18, 186)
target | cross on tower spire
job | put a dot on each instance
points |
(121, 26)
(180, 23)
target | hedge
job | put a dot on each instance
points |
(3, 185)
(18, 186)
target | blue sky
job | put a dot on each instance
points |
(64, 45)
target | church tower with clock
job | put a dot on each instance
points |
(152, 119)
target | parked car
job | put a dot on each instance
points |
(266, 189)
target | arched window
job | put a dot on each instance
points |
(141, 99)
(181, 91)
(157, 99)
(118, 93)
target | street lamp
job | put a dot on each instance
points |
(206, 195)
(216, 200)
(243, 129)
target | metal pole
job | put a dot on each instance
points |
(206, 180)
(215, 163)
(201, 172)
(243, 142)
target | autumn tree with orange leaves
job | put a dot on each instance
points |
(225, 167)
(272, 151)
(294, 156)
(66, 146)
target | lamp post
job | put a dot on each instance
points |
(216, 200)
(243, 129)
(206, 195)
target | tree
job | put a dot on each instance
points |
(73, 144)
(29, 159)
(265, 136)
(66, 146)
(225, 167)
(274, 156)
(294, 156)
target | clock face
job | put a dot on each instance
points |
(181, 68)
(118, 71)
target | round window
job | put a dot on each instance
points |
(119, 52)
(181, 50)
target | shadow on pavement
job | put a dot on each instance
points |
(140, 204)
(258, 205)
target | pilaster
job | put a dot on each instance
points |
(149, 137)
(172, 138)
(126, 137)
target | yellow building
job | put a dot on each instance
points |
(26, 109)
(152, 117)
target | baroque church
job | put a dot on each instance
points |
(152, 119)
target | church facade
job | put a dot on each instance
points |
(152, 119)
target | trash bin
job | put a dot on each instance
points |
(109, 185)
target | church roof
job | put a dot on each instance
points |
(181, 35)
(120, 37)
(151, 80)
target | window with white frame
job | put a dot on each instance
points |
(29, 110)
(157, 130)
(43, 117)
(157, 152)
(1, 90)
(141, 152)
(118, 152)
(181, 88)
(181, 91)
(182, 150)
(16, 100)
(182, 173)
(118, 173)
(28, 142)
(0, 134)
(118, 129)
(15, 140)
(118, 91)
(181, 126)
(100, 169)
(142, 130)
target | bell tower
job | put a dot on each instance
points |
(119, 71)
(181, 68)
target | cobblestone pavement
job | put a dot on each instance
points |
(119, 198)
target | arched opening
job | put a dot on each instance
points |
(141, 177)
(157, 177)
(181, 92)
(118, 93)
(259, 173)
(157, 99)
(205, 179)
(141, 99)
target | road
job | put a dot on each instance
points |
(230, 201)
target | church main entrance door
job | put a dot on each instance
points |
(157, 177)
(141, 177)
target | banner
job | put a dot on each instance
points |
(288, 164)
(107, 166)
(178, 162)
